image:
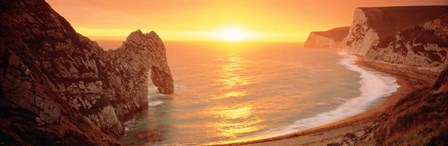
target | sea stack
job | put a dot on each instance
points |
(59, 87)
(327, 39)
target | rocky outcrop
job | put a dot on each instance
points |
(371, 24)
(60, 88)
(128, 67)
(424, 46)
(327, 39)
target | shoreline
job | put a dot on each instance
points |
(334, 132)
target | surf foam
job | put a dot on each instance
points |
(155, 103)
(374, 85)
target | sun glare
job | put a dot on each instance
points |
(233, 34)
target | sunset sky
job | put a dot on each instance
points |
(192, 20)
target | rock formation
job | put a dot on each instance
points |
(59, 88)
(371, 24)
(423, 46)
(327, 39)
(416, 38)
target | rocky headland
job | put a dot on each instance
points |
(423, 46)
(327, 39)
(414, 42)
(410, 43)
(60, 88)
(371, 24)
(408, 36)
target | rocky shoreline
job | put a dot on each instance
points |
(336, 132)
(408, 36)
(409, 43)
(60, 88)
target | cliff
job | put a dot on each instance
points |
(423, 46)
(371, 24)
(415, 38)
(327, 39)
(60, 88)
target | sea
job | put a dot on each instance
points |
(232, 91)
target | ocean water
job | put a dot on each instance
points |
(226, 92)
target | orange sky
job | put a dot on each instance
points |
(186, 20)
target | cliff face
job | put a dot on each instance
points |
(415, 37)
(327, 39)
(423, 46)
(58, 87)
(371, 24)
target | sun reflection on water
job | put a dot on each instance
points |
(230, 95)
(233, 120)
(231, 75)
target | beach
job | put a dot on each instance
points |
(356, 125)
(224, 73)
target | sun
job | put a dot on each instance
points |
(233, 34)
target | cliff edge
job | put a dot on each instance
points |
(424, 46)
(327, 39)
(60, 88)
(373, 23)
(414, 39)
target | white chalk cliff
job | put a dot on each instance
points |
(424, 46)
(371, 24)
(408, 36)
(327, 39)
(415, 37)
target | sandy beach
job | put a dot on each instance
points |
(355, 125)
